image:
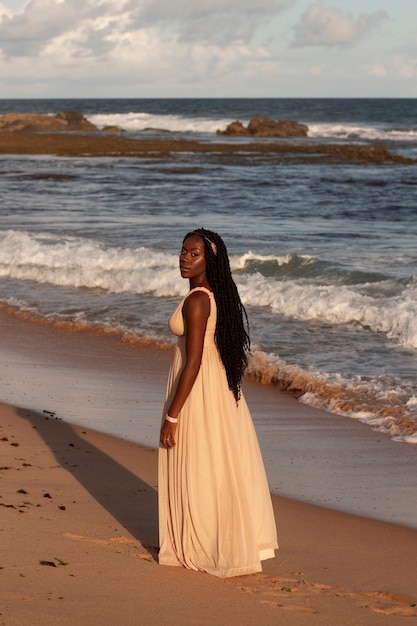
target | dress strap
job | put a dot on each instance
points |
(210, 293)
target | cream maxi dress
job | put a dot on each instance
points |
(215, 511)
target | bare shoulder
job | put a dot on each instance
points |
(198, 302)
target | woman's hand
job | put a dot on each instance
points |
(167, 437)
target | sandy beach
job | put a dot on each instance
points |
(78, 508)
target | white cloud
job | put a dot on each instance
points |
(144, 41)
(40, 21)
(4, 11)
(405, 68)
(330, 26)
(218, 22)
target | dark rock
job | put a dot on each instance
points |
(41, 122)
(112, 129)
(75, 121)
(235, 129)
(265, 127)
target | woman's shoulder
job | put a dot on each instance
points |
(197, 299)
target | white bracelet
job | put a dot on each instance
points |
(173, 420)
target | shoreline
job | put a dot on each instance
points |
(313, 456)
(79, 513)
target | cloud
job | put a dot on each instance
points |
(26, 32)
(4, 11)
(96, 23)
(327, 26)
(140, 42)
(213, 21)
(405, 68)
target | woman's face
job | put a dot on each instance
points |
(193, 259)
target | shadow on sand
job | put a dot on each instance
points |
(126, 496)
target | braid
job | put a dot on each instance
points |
(232, 327)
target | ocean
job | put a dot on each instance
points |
(324, 253)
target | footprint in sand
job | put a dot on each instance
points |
(281, 592)
(121, 541)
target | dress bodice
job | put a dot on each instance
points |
(176, 321)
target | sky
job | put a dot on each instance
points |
(208, 48)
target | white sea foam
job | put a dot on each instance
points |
(140, 121)
(407, 438)
(336, 304)
(173, 123)
(412, 402)
(239, 262)
(371, 402)
(353, 131)
(76, 262)
(85, 263)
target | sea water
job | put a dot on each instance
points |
(324, 253)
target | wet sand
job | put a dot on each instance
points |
(116, 385)
(78, 515)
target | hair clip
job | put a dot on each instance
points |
(212, 245)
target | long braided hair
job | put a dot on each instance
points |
(232, 327)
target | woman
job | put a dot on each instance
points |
(215, 511)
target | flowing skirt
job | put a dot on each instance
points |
(215, 510)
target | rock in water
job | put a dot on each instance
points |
(265, 127)
(41, 122)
